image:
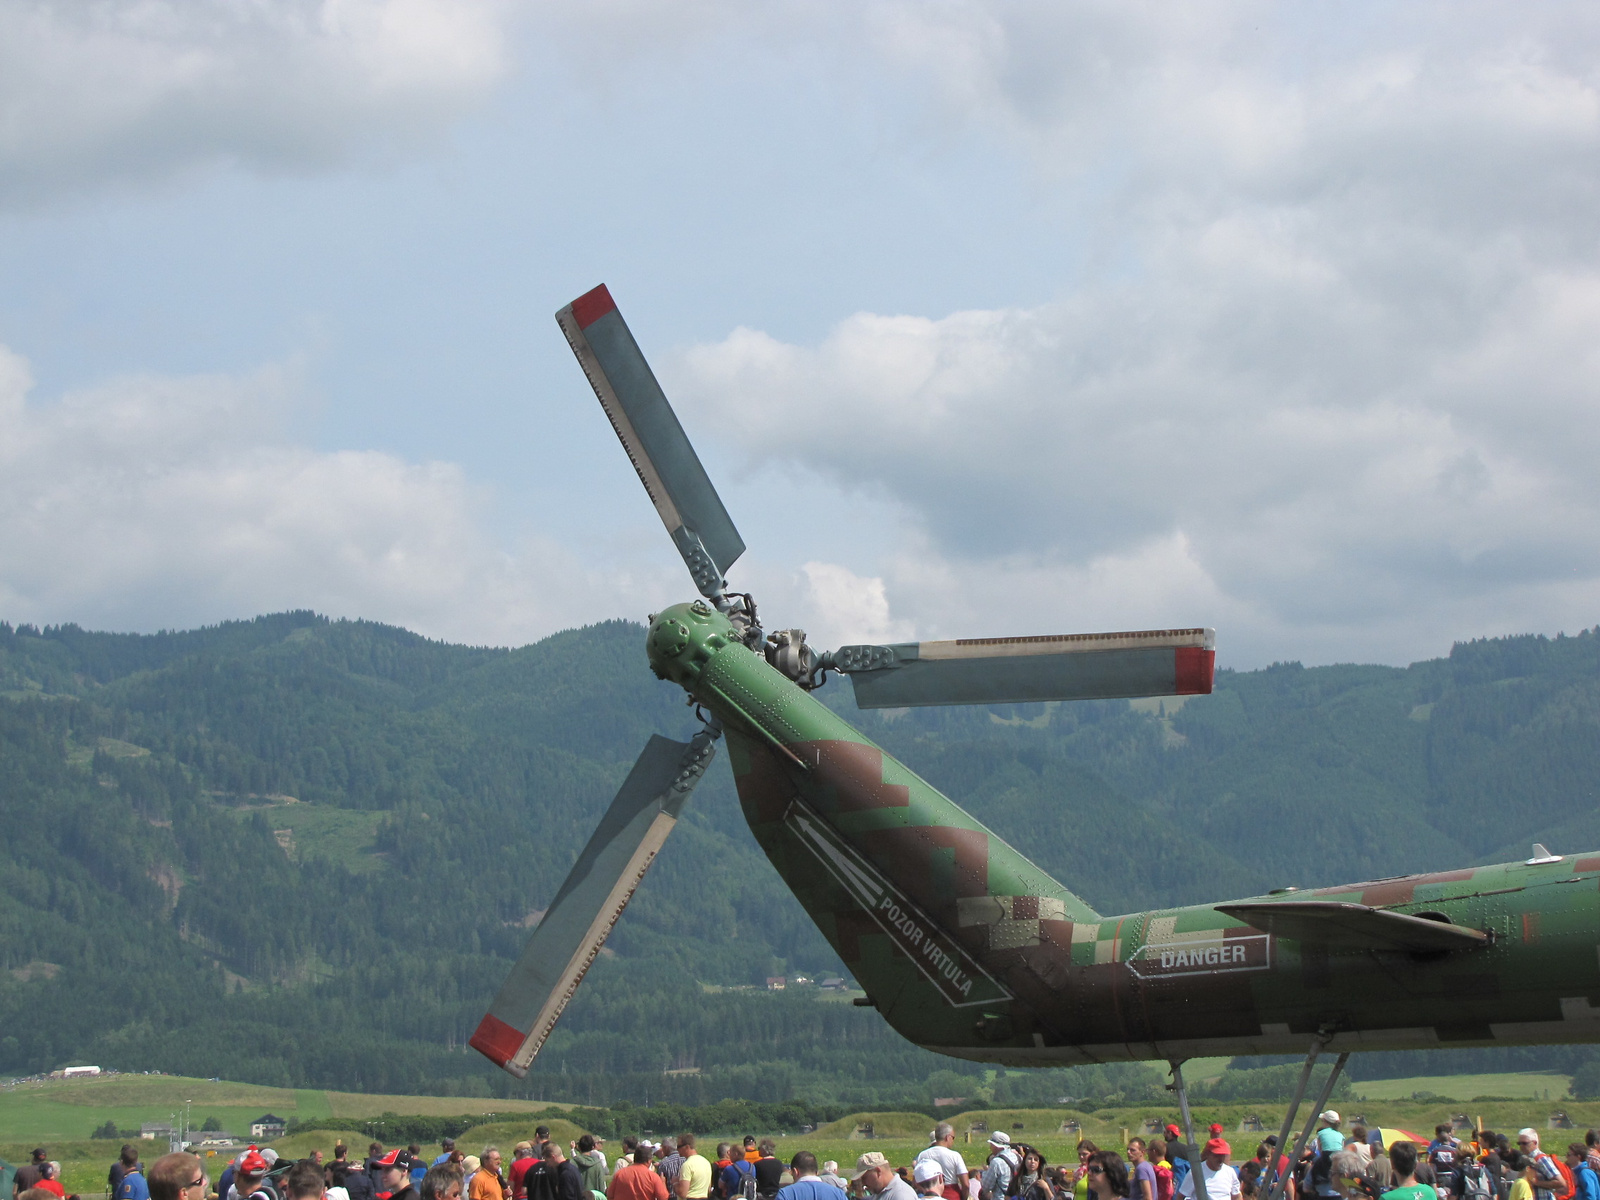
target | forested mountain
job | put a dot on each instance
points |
(302, 852)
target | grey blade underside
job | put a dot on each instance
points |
(599, 886)
(1027, 670)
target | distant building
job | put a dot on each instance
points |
(216, 1138)
(267, 1127)
(152, 1130)
(72, 1071)
(776, 983)
(833, 983)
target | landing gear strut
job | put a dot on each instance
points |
(1271, 1186)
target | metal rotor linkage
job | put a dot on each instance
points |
(787, 651)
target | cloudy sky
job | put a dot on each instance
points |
(988, 319)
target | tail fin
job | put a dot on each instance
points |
(957, 938)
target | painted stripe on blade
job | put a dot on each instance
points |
(1194, 670)
(591, 306)
(567, 318)
(599, 929)
(1066, 643)
(496, 1040)
(958, 976)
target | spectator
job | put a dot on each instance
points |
(315, 1158)
(128, 1158)
(1220, 1181)
(1583, 1174)
(1141, 1175)
(830, 1176)
(1108, 1176)
(1546, 1175)
(1033, 1181)
(1403, 1159)
(303, 1182)
(941, 1149)
(522, 1160)
(394, 1175)
(358, 1181)
(1155, 1153)
(28, 1175)
(374, 1153)
(591, 1164)
(1002, 1168)
(177, 1176)
(927, 1176)
(724, 1161)
(48, 1181)
(486, 1183)
(1080, 1177)
(878, 1177)
(446, 1148)
(637, 1180)
(559, 1175)
(1329, 1139)
(421, 1168)
(442, 1182)
(249, 1178)
(751, 1150)
(693, 1180)
(806, 1185)
(738, 1176)
(769, 1171)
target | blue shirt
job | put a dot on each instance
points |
(1330, 1141)
(133, 1187)
(809, 1188)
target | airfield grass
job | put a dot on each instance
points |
(59, 1114)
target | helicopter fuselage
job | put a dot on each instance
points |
(968, 948)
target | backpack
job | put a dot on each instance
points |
(1475, 1183)
(1569, 1184)
(1163, 1182)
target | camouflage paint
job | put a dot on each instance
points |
(968, 948)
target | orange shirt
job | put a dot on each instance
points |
(752, 1156)
(636, 1181)
(485, 1186)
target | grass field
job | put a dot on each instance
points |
(1465, 1087)
(60, 1114)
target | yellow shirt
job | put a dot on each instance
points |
(1521, 1190)
(697, 1172)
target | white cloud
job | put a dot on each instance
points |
(135, 89)
(1332, 362)
(156, 502)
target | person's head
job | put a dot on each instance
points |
(394, 1168)
(1592, 1138)
(873, 1171)
(686, 1144)
(315, 1157)
(177, 1176)
(944, 1133)
(340, 1151)
(928, 1176)
(1576, 1152)
(749, 1142)
(831, 1168)
(765, 1147)
(489, 1160)
(1086, 1149)
(724, 1151)
(803, 1163)
(1358, 1134)
(1441, 1132)
(39, 1155)
(521, 1150)
(1136, 1150)
(1330, 1119)
(586, 1143)
(1032, 1161)
(1111, 1179)
(446, 1145)
(129, 1156)
(303, 1182)
(1403, 1158)
(469, 1164)
(1155, 1150)
(999, 1141)
(374, 1149)
(442, 1182)
(552, 1152)
(641, 1154)
(1528, 1140)
(1216, 1152)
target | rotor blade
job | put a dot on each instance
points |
(649, 430)
(599, 887)
(1020, 670)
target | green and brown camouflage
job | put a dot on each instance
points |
(968, 948)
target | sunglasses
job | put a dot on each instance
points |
(201, 1182)
(1096, 1169)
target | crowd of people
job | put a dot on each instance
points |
(1365, 1165)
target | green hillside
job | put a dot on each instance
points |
(302, 852)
